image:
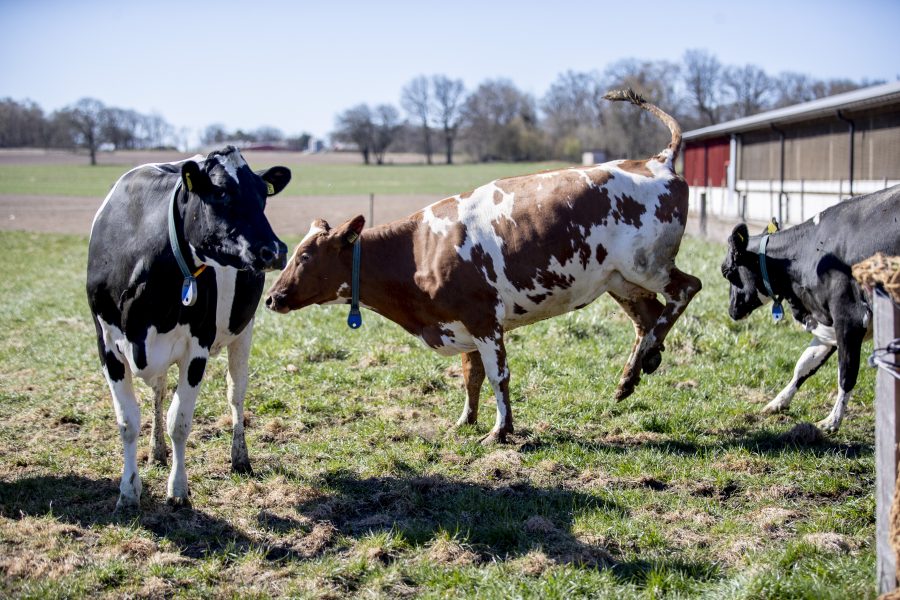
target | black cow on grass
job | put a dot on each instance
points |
(207, 213)
(809, 268)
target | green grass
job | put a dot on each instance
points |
(683, 490)
(308, 179)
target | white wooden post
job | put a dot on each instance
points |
(887, 435)
(371, 209)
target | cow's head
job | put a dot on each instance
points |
(741, 269)
(223, 215)
(320, 267)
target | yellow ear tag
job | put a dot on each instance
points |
(772, 228)
(739, 237)
(270, 189)
(187, 179)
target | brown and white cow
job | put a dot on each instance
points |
(461, 272)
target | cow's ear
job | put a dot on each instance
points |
(193, 179)
(276, 179)
(347, 233)
(739, 238)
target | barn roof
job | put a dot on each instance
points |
(870, 97)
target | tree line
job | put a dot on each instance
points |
(498, 121)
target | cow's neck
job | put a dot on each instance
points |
(387, 274)
(782, 266)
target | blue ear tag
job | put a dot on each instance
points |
(777, 312)
(354, 319)
(189, 291)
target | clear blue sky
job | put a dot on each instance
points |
(294, 65)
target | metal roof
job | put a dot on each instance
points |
(869, 97)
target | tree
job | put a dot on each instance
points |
(627, 131)
(268, 133)
(21, 124)
(416, 101)
(354, 126)
(703, 80)
(448, 100)
(213, 134)
(385, 124)
(86, 117)
(501, 123)
(749, 88)
(572, 113)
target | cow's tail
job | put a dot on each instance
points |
(671, 151)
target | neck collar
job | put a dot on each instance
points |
(354, 319)
(777, 310)
(189, 286)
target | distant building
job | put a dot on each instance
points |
(593, 157)
(793, 162)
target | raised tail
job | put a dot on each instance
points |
(671, 151)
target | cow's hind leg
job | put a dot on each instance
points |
(678, 292)
(644, 309)
(158, 452)
(238, 365)
(493, 358)
(179, 418)
(810, 361)
(473, 374)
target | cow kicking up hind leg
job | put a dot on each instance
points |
(473, 374)
(238, 361)
(158, 452)
(815, 355)
(678, 291)
(179, 418)
(493, 359)
(643, 309)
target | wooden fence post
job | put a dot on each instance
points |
(887, 436)
(371, 209)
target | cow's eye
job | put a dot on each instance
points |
(304, 258)
(222, 196)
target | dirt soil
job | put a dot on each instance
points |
(288, 215)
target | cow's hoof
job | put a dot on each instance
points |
(178, 502)
(493, 438)
(127, 504)
(651, 361)
(464, 422)
(774, 407)
(241, 467)
(828, 426)
(625, 389)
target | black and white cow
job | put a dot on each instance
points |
(134, 287)
(809, 268)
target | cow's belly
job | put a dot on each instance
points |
(520, 311)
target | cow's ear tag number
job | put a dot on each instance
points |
(189, 291)
(777, 312)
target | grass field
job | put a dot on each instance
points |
(313, 179)
(683, 490)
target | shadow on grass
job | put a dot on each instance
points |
(761, 442)
(88, 502)
(500, 522)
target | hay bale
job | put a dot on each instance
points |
(880, 270)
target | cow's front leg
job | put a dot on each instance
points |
(473, 374)
(238, 365)
(849, 339)
(810, 361)
(128, 418)
(493, 359)
(158, 453)
(179, 418)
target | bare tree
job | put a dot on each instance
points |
(703, 80)
(21, 124)
(416, 101)
(86, 118)
(448, 101)
(355, 126)
(572, 113)
(749, 88)
(213, 134)
(636, 133)
(501, 123)
(385, 124)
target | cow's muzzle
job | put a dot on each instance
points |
(276, 302)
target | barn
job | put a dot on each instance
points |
(793, 162)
